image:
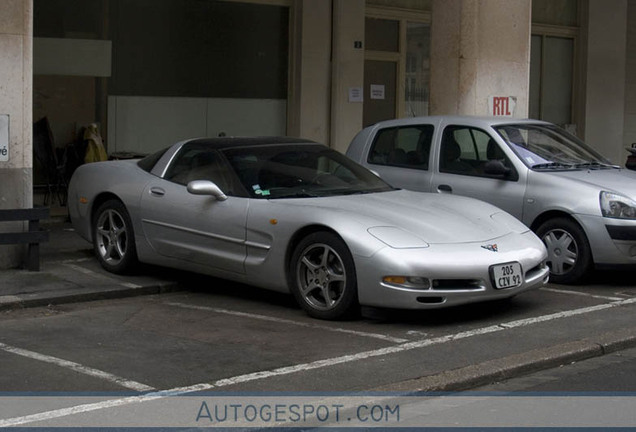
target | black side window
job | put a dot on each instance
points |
(407, 146)
(194, 162)
(148, 163)
(465, 150)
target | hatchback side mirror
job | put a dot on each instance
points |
(496, 168)
(205, 187)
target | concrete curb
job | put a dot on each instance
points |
(517, 365)
(23, 301)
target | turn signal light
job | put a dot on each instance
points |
(412, 282)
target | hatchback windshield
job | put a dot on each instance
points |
(297, 171)
(542, 146)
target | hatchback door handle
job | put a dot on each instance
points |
(444, 189)
(157, 191)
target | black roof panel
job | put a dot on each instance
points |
(229, 142)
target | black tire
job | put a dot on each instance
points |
(114, 238)
(322, 277)
(569, 253)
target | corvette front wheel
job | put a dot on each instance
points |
(323, 277)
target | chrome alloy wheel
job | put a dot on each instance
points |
(321, 276)
(111, 237)
(563, 250)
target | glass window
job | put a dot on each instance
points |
(555, 12)
(382, 34)
(549, 147)
(195, 162)
(302, 171)
(149, 162)
(404, 147)
(467, 151)
(551, 79)
(418, 41)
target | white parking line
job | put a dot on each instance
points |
(77, 368)
(560, 291)
(286, 321)
(49, 415)
(81, 269)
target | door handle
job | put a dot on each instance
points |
(444, 189)
(157, 191)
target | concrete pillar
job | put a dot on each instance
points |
(310, 71)
(347, 70)
(16, 94)
(605, 78)
(479, 49)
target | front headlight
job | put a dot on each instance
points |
(617, 206)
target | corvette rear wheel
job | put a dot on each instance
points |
(569, 253)
(113, 237)
(323, 278)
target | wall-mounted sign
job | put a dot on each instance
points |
(502, 106)
(377, 91)
(355, 94)
(4, 137)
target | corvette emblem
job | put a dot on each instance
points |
(491, 247)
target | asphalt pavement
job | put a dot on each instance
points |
(70, 273)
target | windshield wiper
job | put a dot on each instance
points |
(554, 165)
(595, 165)
(295, 194)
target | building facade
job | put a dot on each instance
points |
(152, 72)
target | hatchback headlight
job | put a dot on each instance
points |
(617, 206)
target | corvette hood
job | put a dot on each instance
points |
(432, 218)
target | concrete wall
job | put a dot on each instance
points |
(479, 49)
(310, 71)
(16, 95)
(347, 71)
(605, 85)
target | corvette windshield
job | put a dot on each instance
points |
(548, 147)
(300, 171)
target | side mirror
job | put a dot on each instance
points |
(496, 168)
(205, 187)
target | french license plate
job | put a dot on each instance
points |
(507, 275)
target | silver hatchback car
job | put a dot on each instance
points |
(578, 203)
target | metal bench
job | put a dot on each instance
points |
(33, 237)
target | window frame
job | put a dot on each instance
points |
(545, 31)
(399, 57)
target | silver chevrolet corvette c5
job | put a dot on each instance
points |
(291, 215)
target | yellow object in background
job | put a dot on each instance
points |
(95, 151)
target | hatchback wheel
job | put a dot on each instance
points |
(113, 237)
(322, 277)
(569, 253)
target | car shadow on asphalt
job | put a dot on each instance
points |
(501, 310)
(498, 310)
(612, 277)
